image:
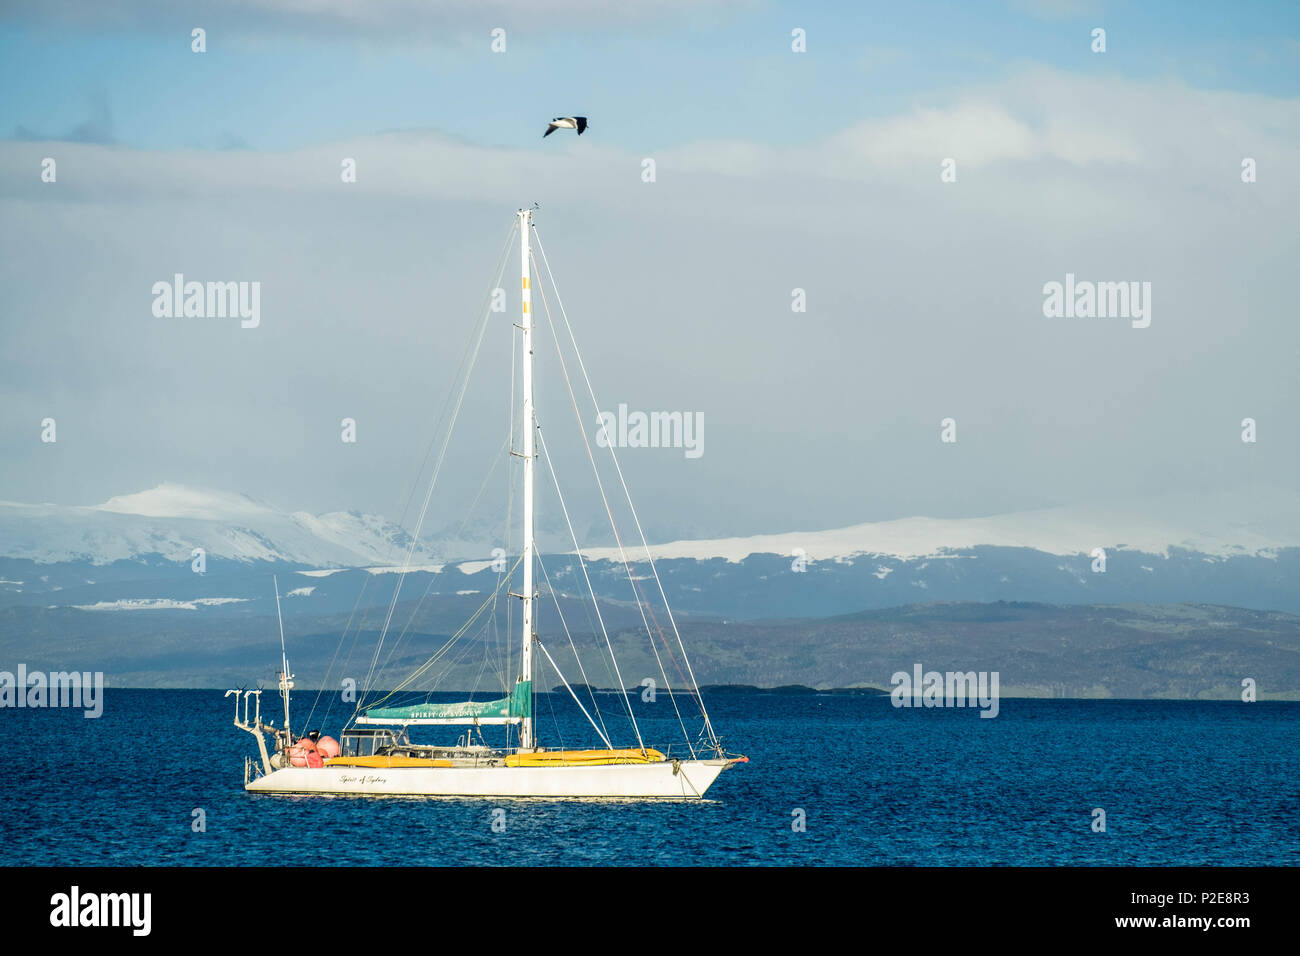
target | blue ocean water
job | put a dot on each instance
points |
(1181, 782)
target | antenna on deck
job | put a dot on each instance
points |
(286, 679)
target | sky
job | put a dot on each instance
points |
(775, 170)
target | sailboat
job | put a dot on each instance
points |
(374, 754)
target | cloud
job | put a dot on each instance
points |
(1043, 116)
(1041, 119)
(1056, 9)
(924, 301)
(98, 128)
(361, 19)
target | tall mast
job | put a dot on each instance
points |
(526, 324)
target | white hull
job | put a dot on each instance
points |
(687, 779)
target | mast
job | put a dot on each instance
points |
(526, 324)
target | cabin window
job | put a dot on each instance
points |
(358, 746)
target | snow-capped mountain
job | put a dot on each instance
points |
(1214, 525)
(171, 520)
(133, 552)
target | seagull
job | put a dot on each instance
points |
(566, 122)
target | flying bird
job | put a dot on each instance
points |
(566, 122)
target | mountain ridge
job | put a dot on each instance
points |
(172, 519)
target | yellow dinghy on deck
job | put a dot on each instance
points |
(583, 758)
(384, 762)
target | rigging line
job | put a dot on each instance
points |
(691, 691)
(654, 618)
(406, 564)
(442, 416)
(448, 663)
(506, 446)
(609, 512)
(591, 628)
(592, 392)
(436, 659)
(510, 502)
(496, 631)
(393, 646)
(456, 662)
(425, 666)
(581, 670)
(464, 651)
(496, 460)
(642, 604)
(356, 636)
(500, 269)
(448, 668)
(415, 613)
(352, 648)
(433, 481)
(487, 653)
(505, 252)
(438, 654)
(496, 634)
(591, 693)
(551, 704)
(598, 730)
(669, 651)
(600, 617)
(325, 681)
(468, 360)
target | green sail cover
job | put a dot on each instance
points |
(518, 704)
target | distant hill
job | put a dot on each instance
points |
(1137, 651)
(1195, 595)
